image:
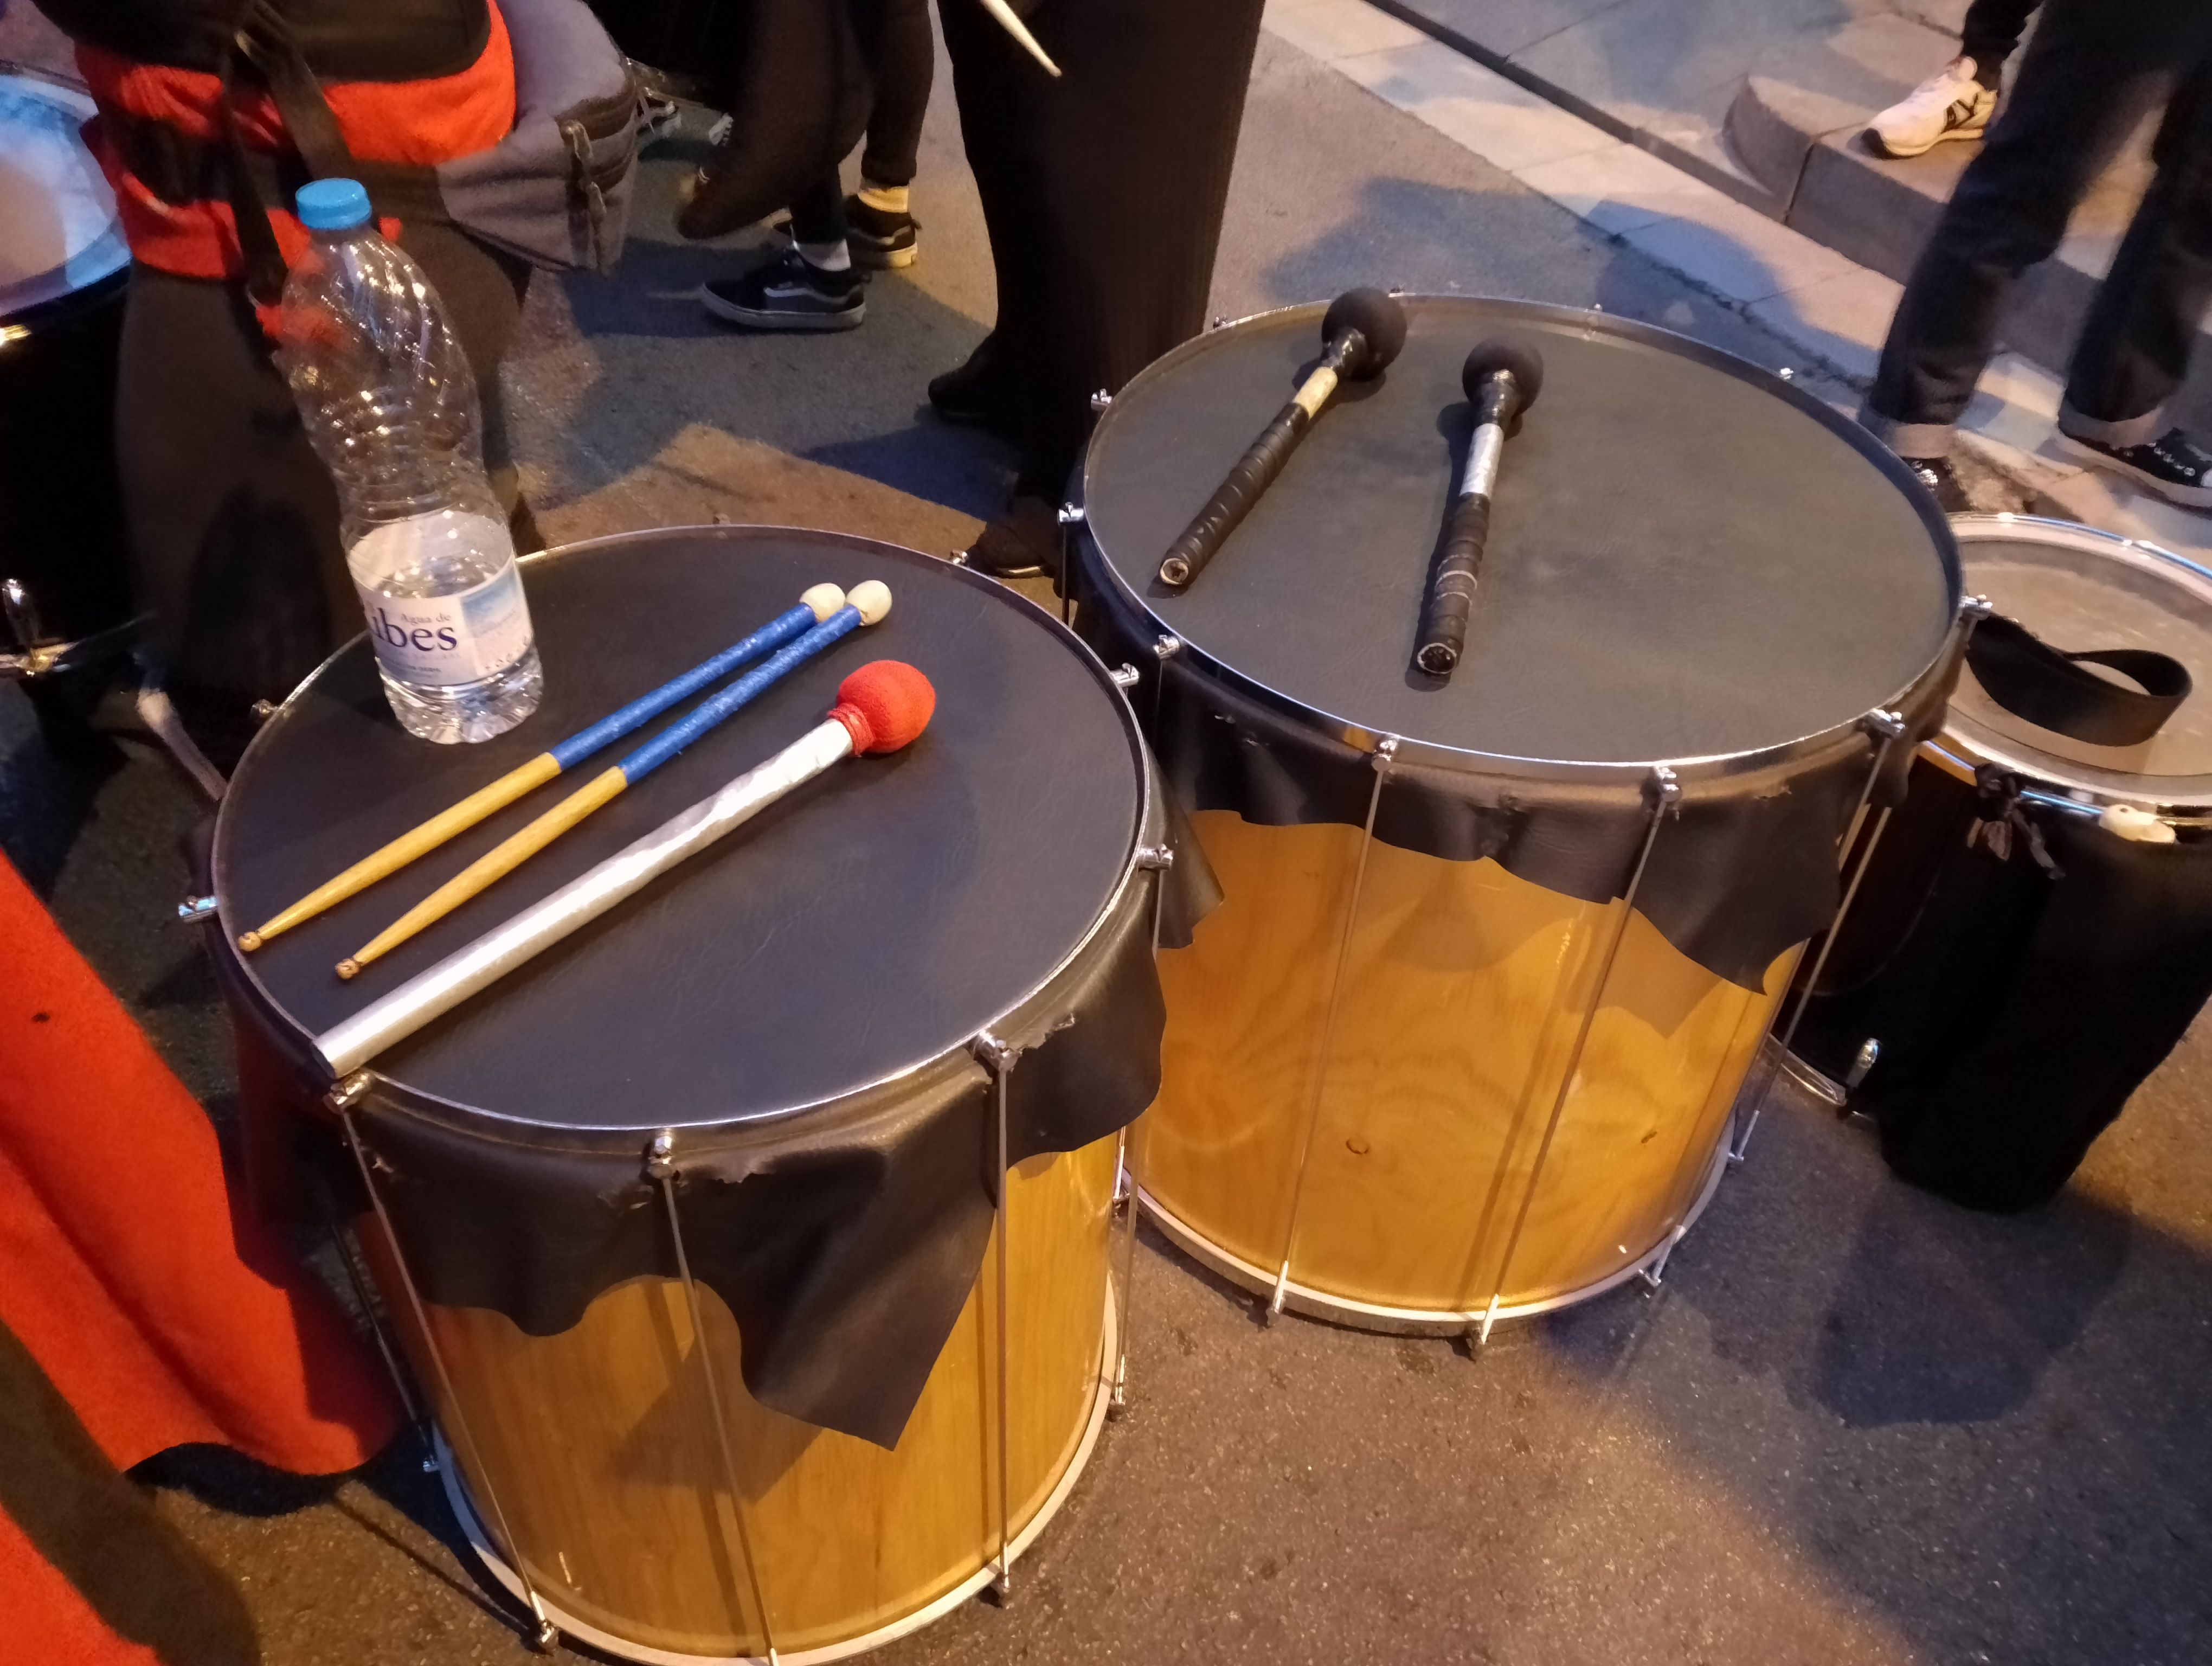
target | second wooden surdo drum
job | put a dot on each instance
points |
(753, 1243)
(1497, 953)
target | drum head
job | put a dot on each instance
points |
(1687, 557)
(58, 232)
(2079, 590)
(876, 918)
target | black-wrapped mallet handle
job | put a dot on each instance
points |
(1360, 335)
(1502, 377)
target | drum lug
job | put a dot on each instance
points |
(262, 711)
(1167, 647)
(958, 558)
(193, 910)
(1100, 399)
(22, 614)
(1889, 725)
(348, 1093)
(1125, 677)
(1974, 609)
(546, 1638)
(1157, 858)
(1862, 1062)
(1653, 1275)
(1070, 515)
(996, 1055)
(660, 1155)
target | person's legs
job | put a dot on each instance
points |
(813, 285)
(902, 55)
(1989, 34)
(2078, 89)
(1103, 191)
(2135, 345)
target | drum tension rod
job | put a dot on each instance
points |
(1889, 728)
(1665, 790)
(661, 1169)
(1386, 749)
(999, 1057)
(544, 1637)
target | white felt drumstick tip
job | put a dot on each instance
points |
(871, 598)
(822, 600)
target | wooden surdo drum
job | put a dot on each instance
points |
(689, 1227)
(1464, 1040)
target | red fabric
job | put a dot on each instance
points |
(885, 705)
(422, 122)
(46, 1620)
(162, 1315)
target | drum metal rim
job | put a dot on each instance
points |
(1149, 827)
(1102, 1397)
(1956, 755)
(1412, 749)
(1421, 1321)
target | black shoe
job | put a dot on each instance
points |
(877, 240)
(1023, 543)
(788, 292)
(978, 394)
(1936, 474)
(2170, 465)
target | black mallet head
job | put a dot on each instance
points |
(1506, 353)
(1381, 322)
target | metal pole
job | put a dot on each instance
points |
(1384, 751)
(1666, 792)
(1890, 726)
(545, 1638)
(660, 1166)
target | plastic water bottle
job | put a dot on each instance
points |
(390, 404)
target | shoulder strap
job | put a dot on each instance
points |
(2048, 686)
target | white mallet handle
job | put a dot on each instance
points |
(432, 994)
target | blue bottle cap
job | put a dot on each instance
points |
(331, 204)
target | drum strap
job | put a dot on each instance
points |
(2049, 687)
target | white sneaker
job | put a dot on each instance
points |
(1950, 104)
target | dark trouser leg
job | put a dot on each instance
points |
(233, 519)
(2086, 79)
(817, 216)
(902, 54)
(1989, 31)
(2135, 345)
(1103, 191)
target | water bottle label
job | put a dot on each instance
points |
(440, 641)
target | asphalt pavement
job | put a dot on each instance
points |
(1856, 1424)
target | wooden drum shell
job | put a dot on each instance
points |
(1463, 992)
(597, 1449)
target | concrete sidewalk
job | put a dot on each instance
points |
(1767, 101)
(1832, 309)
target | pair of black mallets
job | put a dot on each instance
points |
(1361, 334)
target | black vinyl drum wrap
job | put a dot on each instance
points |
(799, 1005)
(1691, 564)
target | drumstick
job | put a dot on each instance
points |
(869, 601)
(1014, 26)
(816, 605)
(881, 707)
(1501, 377)
(1360, 335)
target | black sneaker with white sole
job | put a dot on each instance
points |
(2171, 466)
(878, 239)
(788, 292)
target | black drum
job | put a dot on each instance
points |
(64, 584)
(1464, 1039)
(2033, 932)
(687, 1224)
